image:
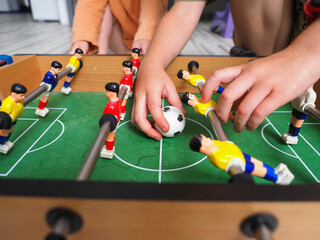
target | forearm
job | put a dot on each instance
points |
(307, 49)
(151, 12)
(87, 20)
(174, 32)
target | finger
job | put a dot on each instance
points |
(144, 50)
(174, 100)
(140, 118)
(267, 106)
(232, 92)
(255, 96)
(225, 75)
(154, 106)
(71, 50)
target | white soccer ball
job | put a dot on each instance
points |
(175, 119)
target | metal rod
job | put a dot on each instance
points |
(64, 73)
(94, 152)
(313, 111)
(215, 122)
(216, 125)
(43, 87)
(91, 159)
(195, 69)
(262, 233)
(122, 93)
(34, 94)
(62, 227)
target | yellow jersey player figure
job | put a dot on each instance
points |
(201, 108)
(225, 155)
(75, 63)
(195, 80)
(11, 109)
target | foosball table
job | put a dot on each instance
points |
(149, 189)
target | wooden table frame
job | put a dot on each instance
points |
(114, 210)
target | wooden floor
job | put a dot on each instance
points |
(21, 35)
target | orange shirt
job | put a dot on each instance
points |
(138, 19)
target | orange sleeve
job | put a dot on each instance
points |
(87, 21)
(151, 11)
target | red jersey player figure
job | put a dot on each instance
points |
(76, 64)
(51, 80)
(11, 108)
(135, 53)
(299, 114)
(112, 107)
(126, 82)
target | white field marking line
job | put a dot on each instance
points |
(282, 112)
(310, 123)
(28, 119)
(315, 178)
(265, 139)
(160, 153)
(48, 108)
(165, 170)
(160, 162)
(62, 131)
(6, 174)
(309, 144)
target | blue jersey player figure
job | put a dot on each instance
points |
(11, 108)
(50, 79)
(225, 155)
(75, 64)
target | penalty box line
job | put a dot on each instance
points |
(297, 156)
(28, 151)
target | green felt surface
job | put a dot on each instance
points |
(56, 146)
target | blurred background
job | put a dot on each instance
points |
(45, 27)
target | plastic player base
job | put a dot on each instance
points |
(107, 153)
(122, 116)
(66, 91)
(288, 139)
(6, 147)
(42, 112)
(285, 177)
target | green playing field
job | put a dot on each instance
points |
(56, 146)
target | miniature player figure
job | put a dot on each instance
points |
(225, 155)
(75, 63)
(50, 79)
(135, 53)
(11, 108)
(112, 107)
(201, 108)
(126, 82)
(195, 80)
(299, 114)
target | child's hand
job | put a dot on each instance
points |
(266, 84)
(153, 84)
(142, 44)
(83, 45)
